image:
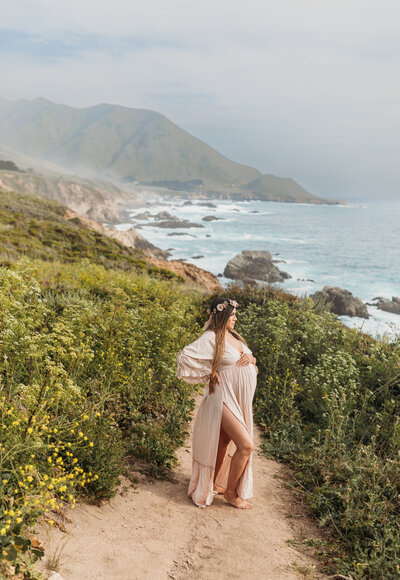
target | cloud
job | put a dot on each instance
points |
(308, 89)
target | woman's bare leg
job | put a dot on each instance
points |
(244, 448)
(223, 443)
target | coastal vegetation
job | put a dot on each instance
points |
(88, 338)
(87, 367)
(88, 333)
(328, 402)
(37, 227)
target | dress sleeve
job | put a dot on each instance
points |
(195, 360)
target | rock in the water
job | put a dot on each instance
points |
(181, 234)
(207, 204)
(164, 215)
(254, 265)
(387, 305)
(306, 280)
(342, 302)
(177, 224)
(210, 218)
(142, 216)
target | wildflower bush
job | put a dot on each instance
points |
(328, 401)
(87, 380)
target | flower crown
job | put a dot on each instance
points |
(222, 305)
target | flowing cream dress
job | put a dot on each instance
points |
(236, 392)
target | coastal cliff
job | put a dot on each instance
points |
(99, 200)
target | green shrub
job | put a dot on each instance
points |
(328, 401)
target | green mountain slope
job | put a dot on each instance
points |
(114, 141)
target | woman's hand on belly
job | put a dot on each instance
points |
(246, 359)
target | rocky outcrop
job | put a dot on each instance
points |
(176, 224)
(254, 265)
(210, 218)
(132, 239)
(190, 273)
(161, 215)
(342, 302)
(97, 199)
(181, 234)
(164, 215)
(129, 238)
(387, 305)
(142, 216)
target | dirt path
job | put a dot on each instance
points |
(154, 531)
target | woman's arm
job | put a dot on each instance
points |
(195, 360)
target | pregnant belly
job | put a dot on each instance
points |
(239, 379)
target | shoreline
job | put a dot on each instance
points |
(200, 247)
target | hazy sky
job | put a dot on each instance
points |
(302, 88)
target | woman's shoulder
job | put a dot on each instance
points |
(205, 340)
(203, 347)
(208, 335)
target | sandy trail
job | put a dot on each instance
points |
(154, 531)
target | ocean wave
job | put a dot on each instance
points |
(292, 261)
(293, 240)
(229, 207)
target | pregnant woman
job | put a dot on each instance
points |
(223, 429)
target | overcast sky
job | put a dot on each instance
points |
(302, 88)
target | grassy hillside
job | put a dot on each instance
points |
(115, 141)
(36, 227)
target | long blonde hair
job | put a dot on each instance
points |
(217, 323)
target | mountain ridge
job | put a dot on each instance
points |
(112, 140)
(123, 144)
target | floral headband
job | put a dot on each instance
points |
(222, 305)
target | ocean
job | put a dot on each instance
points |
(354, 246)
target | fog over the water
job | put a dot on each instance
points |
(304, 89)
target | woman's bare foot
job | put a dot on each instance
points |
(237, 502)
(218, 489)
